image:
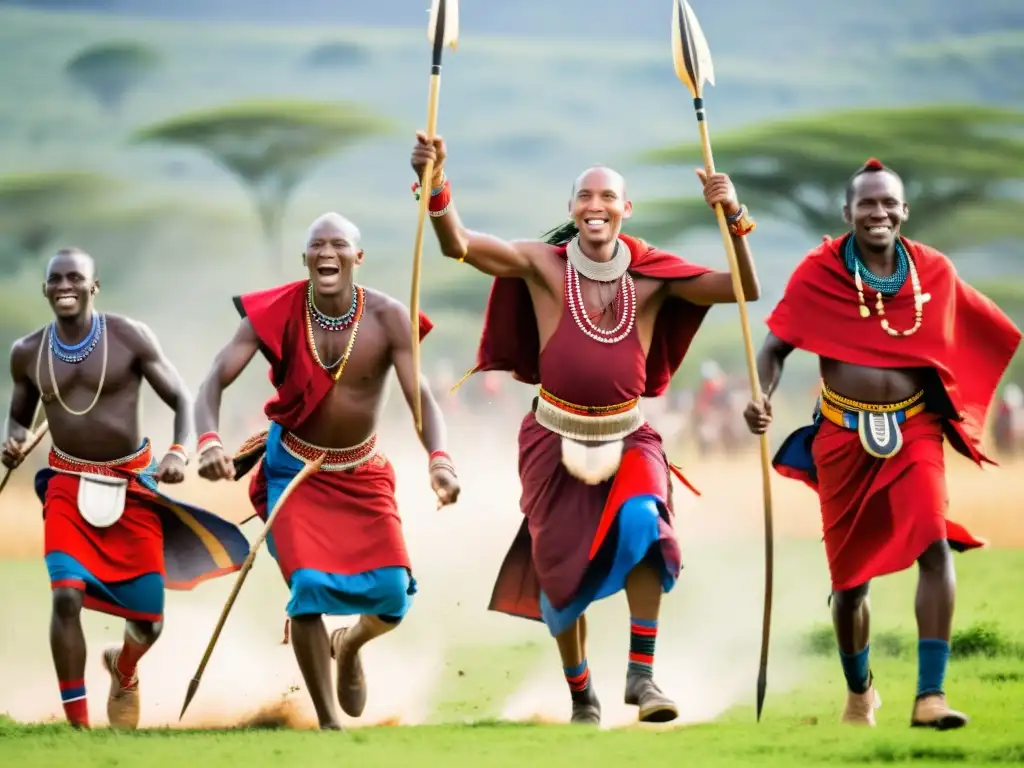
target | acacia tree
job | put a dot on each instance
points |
(269, 146)
(959, 164)
(36, 208)
(108, 71)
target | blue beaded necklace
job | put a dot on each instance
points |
(887, 286)
(76, 353)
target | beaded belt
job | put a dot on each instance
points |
(584, 423)
(60, 461)
(337, 459)
(877, 425)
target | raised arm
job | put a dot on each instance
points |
(716, 287)
(162, 376)
(24, 399)
(491, 255)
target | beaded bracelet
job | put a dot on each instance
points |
(178, 450)
(740, 224)
(441, 460)
(434, 191)
(208, 441)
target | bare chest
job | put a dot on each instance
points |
(357, 356)
(109, 369)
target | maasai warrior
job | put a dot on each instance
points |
(909, 353)
(598, 320)
(113, 541)
(338, 540)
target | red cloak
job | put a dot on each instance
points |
(277, 316)
(510, 340)
(964, 336)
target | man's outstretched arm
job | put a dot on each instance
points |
(491, 255)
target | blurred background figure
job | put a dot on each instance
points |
(1008, 421)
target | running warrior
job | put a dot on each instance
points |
(909, 354)
(113, 541)
(598, 320)
(338, 541)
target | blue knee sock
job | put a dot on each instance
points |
(856, 670)
(932, 657)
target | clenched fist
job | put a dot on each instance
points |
(424, 151)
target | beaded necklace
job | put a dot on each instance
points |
(627, 311)
(357, 315)
(889, 286)
(53, 376)
(76, 353)
(327, 322)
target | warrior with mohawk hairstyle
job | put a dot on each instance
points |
(909, 355)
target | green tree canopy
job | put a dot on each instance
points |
(37, 208)
(959, 164)
(270, 146)
(108, 71)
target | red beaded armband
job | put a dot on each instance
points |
(441, 459)
(440, 201)
(208, 441)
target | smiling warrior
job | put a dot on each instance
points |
(909, 353)
(598, 320)
(113, 541)
(338, 541)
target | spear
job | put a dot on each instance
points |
(193, 685)
(442, 30)
(694, 67)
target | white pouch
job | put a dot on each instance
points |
(101, 499)
(593, 463)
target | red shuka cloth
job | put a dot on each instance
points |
(964, 336)
(510, 340)
(131, 547)
(566, 520)
(277, 316)
(879, 515)
(337, 522)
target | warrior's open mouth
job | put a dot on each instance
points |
(327, 269)
(65, 301)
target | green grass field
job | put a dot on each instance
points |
(464, 723)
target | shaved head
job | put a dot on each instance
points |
(333, 223)
(600, 177)
(72, 258)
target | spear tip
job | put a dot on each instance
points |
(193, 686)
(444, 23)
(690, 52)
(762, 686)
